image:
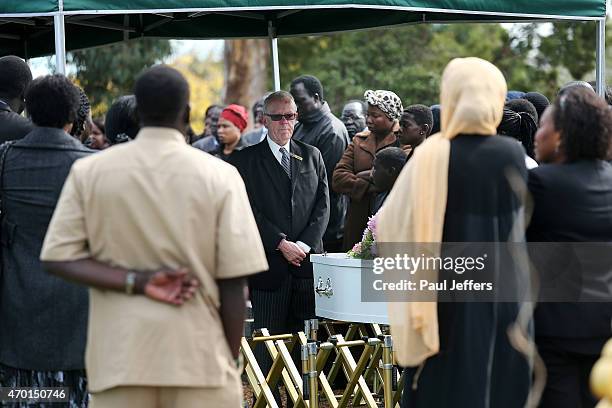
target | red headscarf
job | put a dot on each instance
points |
(236, 114)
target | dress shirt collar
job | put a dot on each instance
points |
(160, 134)
(275, 147)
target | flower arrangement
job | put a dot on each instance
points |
(366, 249)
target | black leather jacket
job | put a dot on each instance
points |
(327, 133)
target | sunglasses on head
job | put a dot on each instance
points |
(276, 117)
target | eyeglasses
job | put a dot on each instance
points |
(276, 117)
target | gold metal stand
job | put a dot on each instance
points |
(371, 377)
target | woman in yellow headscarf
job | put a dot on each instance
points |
(456, 189)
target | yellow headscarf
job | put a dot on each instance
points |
(472, 97)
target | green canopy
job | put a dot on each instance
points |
(27, 29)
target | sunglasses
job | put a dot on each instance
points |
(276, 117)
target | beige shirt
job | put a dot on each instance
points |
(152, 203)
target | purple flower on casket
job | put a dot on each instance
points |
(366, 249)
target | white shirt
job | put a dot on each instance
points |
(530, 163)
(275, 148)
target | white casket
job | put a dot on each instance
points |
(337, 280)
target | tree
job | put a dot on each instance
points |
(205, 77)
(246, 71)
(568, 45)
(110, 71)
(407, 60)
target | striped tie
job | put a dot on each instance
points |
(285, 161)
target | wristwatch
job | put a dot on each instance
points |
(130, 282)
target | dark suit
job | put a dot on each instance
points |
(572, 203)
(295, 209)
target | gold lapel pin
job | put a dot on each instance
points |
(295, 156)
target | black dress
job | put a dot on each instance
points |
(572, 204)
(476, 366)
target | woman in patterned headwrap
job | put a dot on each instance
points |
(352, 173)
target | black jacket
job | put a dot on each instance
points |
(297, 209)
(43, 318)
(327, 133)
(12, 125)
(573, 203)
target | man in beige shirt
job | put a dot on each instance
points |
(164, 235)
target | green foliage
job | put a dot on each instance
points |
(408, 60)
(110, 71)
(205, 78)
(571, 45)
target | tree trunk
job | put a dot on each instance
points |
(246, 71)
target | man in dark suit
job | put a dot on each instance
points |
(287, 187)
(15, 77)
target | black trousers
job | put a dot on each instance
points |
(282, 311)
(569, 368)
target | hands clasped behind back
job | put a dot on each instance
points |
(173, 286)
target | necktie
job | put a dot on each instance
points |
(285, 161)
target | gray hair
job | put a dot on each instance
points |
(278, 96)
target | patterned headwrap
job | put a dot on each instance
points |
(78, 126)
(386, 101)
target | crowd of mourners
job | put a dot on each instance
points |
(427, 171)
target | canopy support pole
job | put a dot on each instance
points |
(60, 40)
(274, 48)
(601, 57)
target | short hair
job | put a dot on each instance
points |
(575, 84)
(539, 101)
(585, 122)
(211, 107)
(523, 106)
(82, 114)
(422, 114)
(52, 101)
(278, 96)
(122, 123)
(392, 157)
(259, 102)
(311, 84)
(15, 76)
(162, 94)
(364, 106)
